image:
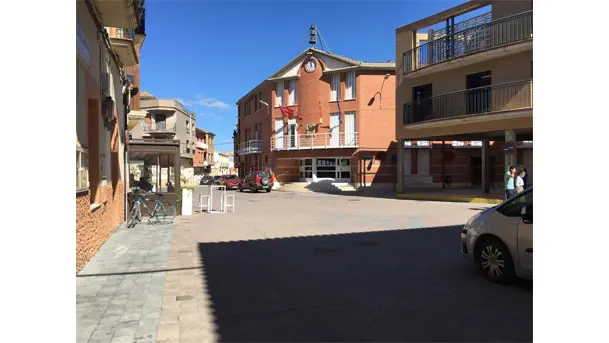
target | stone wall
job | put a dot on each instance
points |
(94, 227)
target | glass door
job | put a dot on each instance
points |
(306, 170)
(343, 170)
(325, 169)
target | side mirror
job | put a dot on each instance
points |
(527, 214)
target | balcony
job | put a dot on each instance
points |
(160, 130)
(250, 147)
(511, 96)
(120, 13)
(125, 49)
(315, 141)
(473, 36)
(202, 145)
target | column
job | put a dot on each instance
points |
(400, 167)
(485, 166)
(510, 158)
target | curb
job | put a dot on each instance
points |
(449, 198)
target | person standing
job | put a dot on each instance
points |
(525, 177)
(520, 181)
(508, 178)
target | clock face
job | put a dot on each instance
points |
(310, 66)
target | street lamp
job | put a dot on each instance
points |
(381, 93)
(267, 107)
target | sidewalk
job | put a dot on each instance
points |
(119, 293)
(469, 195)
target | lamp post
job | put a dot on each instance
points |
(268, 111)
(381, 92)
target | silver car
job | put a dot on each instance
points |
(499, 240)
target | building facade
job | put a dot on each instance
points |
(341, 127)
(221, 164)
(103, 92)
(167, 119)
(204, 149)
(464, 92)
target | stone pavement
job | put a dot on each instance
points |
(119, 293)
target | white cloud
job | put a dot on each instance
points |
(206, 102)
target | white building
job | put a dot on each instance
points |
(221, 164)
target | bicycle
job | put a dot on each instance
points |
(162, 209)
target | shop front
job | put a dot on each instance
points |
(328, 169)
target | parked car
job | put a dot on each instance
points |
(207, 180)
(230, 181)
(499, 240)
(217, 179)
(255, 181)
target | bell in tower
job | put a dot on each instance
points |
(313, 36)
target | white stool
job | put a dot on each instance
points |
(230, 203)
(203, 203)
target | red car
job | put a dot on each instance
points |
(230, 181)
(255, 181)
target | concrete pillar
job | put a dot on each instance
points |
(510, 158)
(485, 166)
(400, 167)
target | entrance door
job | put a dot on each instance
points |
(423, 162)
(350, 128)
(334, 130)
(160, 121)
(292, 133)
(279, 133)
(407, 162)
(422, 105)
(476, 171)
(306, 170)
(478, 96)
(343, 170)
(325, 169)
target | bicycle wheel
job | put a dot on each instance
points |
(169, 212)
(134, 216)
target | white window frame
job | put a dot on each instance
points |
(279, 87)
(292, 92)
(82, 168)
(350, 86)
(335, 87)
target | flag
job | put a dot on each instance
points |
(286, 112)
(321, 118)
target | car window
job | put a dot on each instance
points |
(264, 174)
(230, 177)
(513, 207)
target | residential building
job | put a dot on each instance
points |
(168, 120)
(342, 127)
(221, 164)
(102, 105)
(464, 93)
(231, 164)
(203, 160)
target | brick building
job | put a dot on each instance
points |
(342, 130)
(464, 95)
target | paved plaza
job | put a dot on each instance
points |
(299, 267)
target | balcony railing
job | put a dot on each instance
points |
(506, 30)
(315, 141)
(250, 147)
(495, 98)
(202, 145)
(159, 127)
(125, 33)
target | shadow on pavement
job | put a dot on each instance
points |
(401, 285)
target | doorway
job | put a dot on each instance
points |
(422, 106)
(478, 95)
(476, 170)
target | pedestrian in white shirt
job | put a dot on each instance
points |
(520, 181)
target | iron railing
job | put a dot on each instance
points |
(250, 147)
(326, 140)
(506, 30)
(495, 98)
(125, 33)
(202, 145)
(159, 127)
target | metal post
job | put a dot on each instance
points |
(400, 166)
(485, 166)
(443, 168)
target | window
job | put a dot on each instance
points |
(514, 207)
(335, 87)
(82, 168)
(350, 86)
(292, 99)
(279, 94)
(256, 103)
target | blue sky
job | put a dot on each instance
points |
(210, 53)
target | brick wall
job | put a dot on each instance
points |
(94, 227)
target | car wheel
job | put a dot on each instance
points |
(268, 190)
(494, 261)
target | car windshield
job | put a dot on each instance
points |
(264, 174)
(217, 177)
(230, 177)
